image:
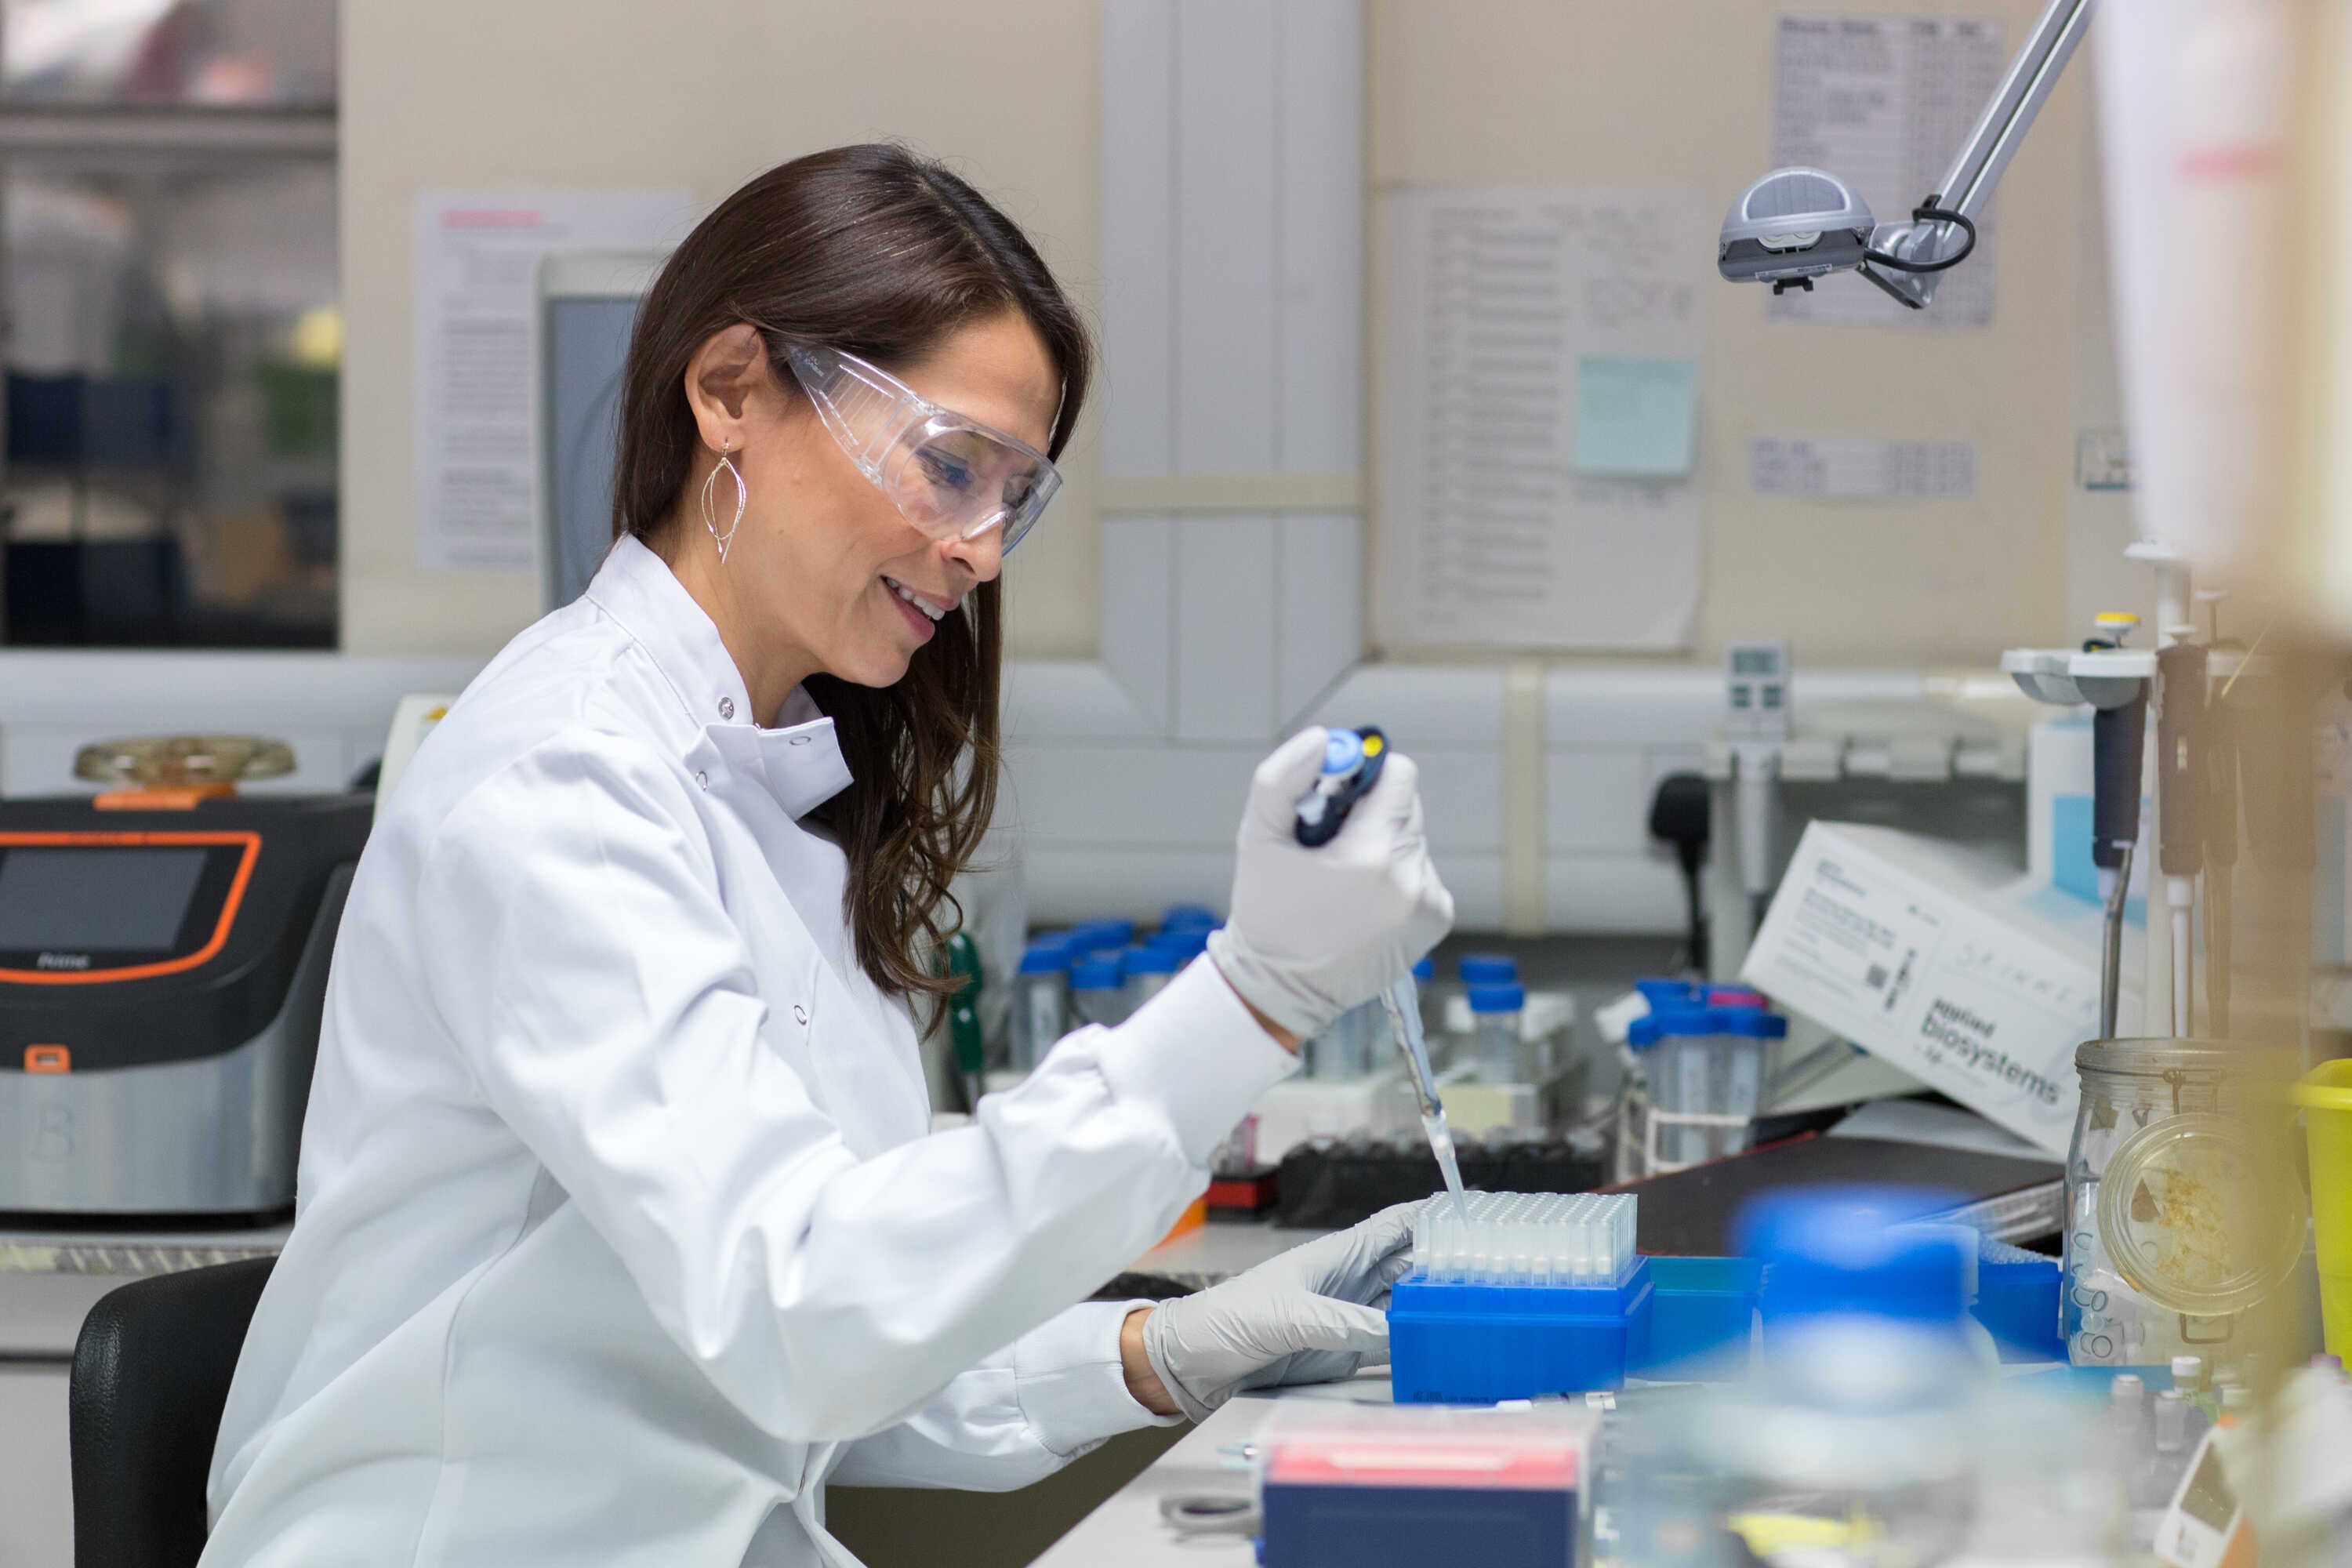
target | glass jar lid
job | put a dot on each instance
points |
(2199, 1216)
(2156, 1058)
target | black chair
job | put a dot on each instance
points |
(151, 1372)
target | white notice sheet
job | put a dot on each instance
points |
(1843, 468)
(1498, 299)
(1884, 103)
(478, 255)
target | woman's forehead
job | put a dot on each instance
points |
(996, 371)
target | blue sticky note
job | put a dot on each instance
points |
(1636, 416)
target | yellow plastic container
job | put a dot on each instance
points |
(2326, 1095)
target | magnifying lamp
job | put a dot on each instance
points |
(1798, 224)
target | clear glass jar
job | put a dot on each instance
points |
(2177, 1217)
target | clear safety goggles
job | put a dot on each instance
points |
(952, 477)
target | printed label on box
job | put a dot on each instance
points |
(1971, 1003)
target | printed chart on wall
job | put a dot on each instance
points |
(478, 255)
(1538, 429)
(1884, 103)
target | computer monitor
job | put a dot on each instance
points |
(587, 306)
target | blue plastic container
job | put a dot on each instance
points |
(1474, 1344)
(1489, 968)
(1096, 936)
(2016, 1301)
(1188, 917)
(1702, 1319)
(1099, 989)
(1390, 1526)
(1186, 945)
(1661, 993)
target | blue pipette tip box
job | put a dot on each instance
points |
(1457, 1343)
(1702, 1319)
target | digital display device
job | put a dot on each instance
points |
(126, 900)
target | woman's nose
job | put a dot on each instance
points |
(983, 557)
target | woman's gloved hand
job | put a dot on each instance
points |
(1311, 1315)
(1315, 932)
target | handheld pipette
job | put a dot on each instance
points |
(1352, 761)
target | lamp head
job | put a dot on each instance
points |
(1792, 225)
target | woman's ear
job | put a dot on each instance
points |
(721, 379)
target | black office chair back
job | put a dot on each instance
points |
(151, 1372)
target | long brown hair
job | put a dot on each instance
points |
(880, 252)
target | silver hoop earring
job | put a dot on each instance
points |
(743, 499)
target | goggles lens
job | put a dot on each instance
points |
(952, 477)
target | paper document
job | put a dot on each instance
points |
(1885, 103)
(1539, 350)
(1849, 468)
(478, 255)
(1636, 416)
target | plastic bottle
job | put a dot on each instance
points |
(1146, 969)
(1344, 1050)
(1497, 1052)
(1099, 989)
(1041, 1004)
(1488, 968)
(1187, 917)
(1746, 1038)
(1099, 936)
(1864, 1403)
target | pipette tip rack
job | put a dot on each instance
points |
(1525, 1239)
(1530, 1294)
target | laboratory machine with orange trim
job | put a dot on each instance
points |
(164, 950)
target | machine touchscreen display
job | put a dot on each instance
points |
(128, 900)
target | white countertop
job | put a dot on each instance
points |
(1128, 1529)
(49, 1279)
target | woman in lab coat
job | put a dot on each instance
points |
(620, 1234)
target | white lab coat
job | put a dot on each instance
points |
(620, 1233)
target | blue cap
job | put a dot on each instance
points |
(1183, 943)
(1666, 992)
(1845, 1250)
(1151, 958)
(1051, 956)
(1507, 998)
(1750, 1022)
(1672, 1023)
(1096, 971)
(1489, 968)
(1187, 917)
(1425, 971)
(1093, 936)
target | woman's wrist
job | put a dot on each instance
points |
(1282, 1037)
(1143, 1384)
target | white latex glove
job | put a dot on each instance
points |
(1314, 1314)
(1315, 931)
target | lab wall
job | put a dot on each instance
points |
(703, 93)
(1594, 92)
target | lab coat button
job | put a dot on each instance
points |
(727, 708)
(800, 1013)
(800, 740)
(702, 778)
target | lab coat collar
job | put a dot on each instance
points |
(801, 759)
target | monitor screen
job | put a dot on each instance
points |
(128, 900)
(587, 347)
